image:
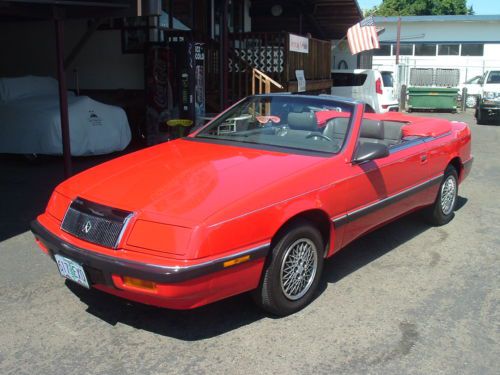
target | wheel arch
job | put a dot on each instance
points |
(318, 217)
(456, 163)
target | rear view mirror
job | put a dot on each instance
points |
(369, 151)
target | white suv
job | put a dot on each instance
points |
(375, 88)
(488, 108)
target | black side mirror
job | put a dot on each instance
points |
(370, 151)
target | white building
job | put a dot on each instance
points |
(463, 45)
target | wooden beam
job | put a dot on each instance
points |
(311, 85)
(82, 42)
(63, 97)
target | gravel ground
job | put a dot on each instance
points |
(406, 299)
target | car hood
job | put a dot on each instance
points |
(491, 87)
(184, 181)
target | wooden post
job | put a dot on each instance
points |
(63, 97)
(224, 55)
(253, 81)
(402, 99)
(398, 40)
(464, 99)
(170, 14)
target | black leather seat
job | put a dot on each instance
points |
(336, 128)
(392, 132)
(372, 131)
(303, 121)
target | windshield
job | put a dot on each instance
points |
(348, 79)
(284, 121)
(494, 77)
(387, 78)
(473, 80)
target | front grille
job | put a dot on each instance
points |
(95, 223)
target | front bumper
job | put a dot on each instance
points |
(490, 110)
(177, 283)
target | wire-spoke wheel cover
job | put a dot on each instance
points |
(471, 101)
(448, 195)
(298, 268)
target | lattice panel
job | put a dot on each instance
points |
(269, 60)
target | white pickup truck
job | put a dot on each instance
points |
(488, 109)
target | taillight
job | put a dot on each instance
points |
(378, 87)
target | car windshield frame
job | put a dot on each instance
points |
(496, 74)
(477, 79)
(270, 126)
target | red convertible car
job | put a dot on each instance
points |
(256, 200)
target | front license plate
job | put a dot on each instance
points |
(71, 270)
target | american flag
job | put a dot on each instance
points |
(363, 36)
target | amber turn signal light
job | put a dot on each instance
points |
(139, 283)
(236, 261)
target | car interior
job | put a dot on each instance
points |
(385, 132)
(306, 128)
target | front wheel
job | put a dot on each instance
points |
(443, 209)
(293, 270)
(480, 117)
(471, 101)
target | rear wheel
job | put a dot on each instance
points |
(443, 209)
(293, 270)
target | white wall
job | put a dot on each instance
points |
(29, 48)
(487, 32)
(340, 52)
(444, 31)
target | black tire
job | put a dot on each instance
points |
(480, 117)
(440, 213)
(271, 295)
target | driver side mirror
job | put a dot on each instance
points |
(369, 151)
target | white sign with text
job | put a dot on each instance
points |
(299, 44)
(301, 80)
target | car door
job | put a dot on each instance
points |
(385, 188)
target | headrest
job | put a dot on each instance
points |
(372, 129)
(302, 121)
(339, 125)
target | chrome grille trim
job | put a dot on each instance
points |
(95, 223)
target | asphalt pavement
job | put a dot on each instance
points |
(405, 299)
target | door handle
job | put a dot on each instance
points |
(423, 158)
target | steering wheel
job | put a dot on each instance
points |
(319, 135)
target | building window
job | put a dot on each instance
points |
(404, 50)
(385, 50)
(472, 49)
(448, 49)
(425, 50)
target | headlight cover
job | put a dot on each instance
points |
(491, 95)
(163, 238)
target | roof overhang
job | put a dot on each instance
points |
(330, 18)
(20, 10)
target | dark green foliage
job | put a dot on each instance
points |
(420, 8)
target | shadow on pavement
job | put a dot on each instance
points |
(189, 325)
(226, 315)
(25, 187)
(373, 246)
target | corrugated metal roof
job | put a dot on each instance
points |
(484, 18)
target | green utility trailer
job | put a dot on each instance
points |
(432, 98)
